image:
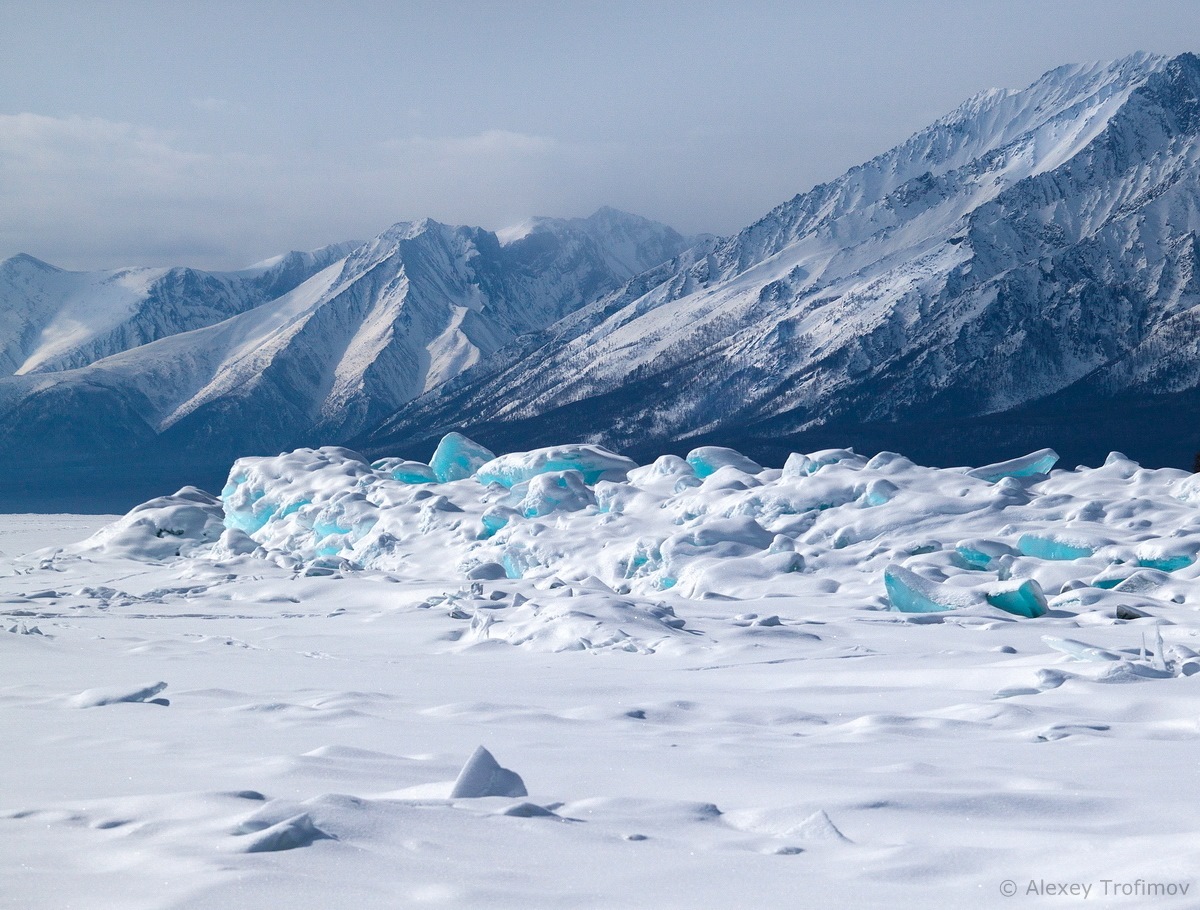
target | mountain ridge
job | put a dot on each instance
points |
(910, 289)
(382, 323)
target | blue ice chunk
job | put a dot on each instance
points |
(517, 560)
(592, 462)
(413, 472)
(328, 529)
(879, 491)
(248, 520)
(1142, 581)
(494, 519)
(910, 593)
(404, 471)
(826, 457)
(1113, 576)
(1166, 563)
(797, 465)
(980, 554)
(557, 491)
(1024, 598)
(707, 460)
(646, 558)
(292, 508)
(1031, 465)
(1165, 555)
(1048, 546)
(458, 457)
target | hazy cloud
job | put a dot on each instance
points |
(221, 133)
(119, 187)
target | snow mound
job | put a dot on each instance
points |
(95, 698)
(482, 776)
(162, 528)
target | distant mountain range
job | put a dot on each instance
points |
(131, 379)
(1021, 273)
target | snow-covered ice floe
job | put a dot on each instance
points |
(1008, 538)
(559, 678)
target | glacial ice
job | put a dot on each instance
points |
(457, 458)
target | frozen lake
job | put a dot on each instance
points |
(268, 727)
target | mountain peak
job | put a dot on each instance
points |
(24, 260)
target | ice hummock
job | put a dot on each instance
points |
(1032, 465)
(457, 458)
(883, 526)
(592, 462)
(708, 460)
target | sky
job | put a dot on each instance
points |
(215, 134)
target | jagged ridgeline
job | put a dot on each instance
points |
(1022, 273)
(132, 381)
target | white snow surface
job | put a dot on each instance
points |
(328, 687)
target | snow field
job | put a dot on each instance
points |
(690, 690)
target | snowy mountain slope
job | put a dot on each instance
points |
(336, 354)
(52, 319)
(1025, 243)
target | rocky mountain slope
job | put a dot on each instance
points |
(367, 331)
(1023, 272)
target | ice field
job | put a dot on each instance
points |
(560, 679)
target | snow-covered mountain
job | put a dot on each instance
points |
(226, 371)
(52, 319)
(1022, 272)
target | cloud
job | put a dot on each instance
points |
(77, 189)
(88, 192)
